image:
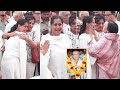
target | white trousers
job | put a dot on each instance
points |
(30, 69)
(10, 68)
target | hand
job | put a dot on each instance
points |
(23, 36)
(13, 34)
(44, 47)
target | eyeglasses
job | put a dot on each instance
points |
(107, 14)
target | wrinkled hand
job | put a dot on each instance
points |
(44, 47)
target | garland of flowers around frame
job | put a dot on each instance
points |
(73, 70)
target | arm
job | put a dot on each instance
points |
(7, 35)
(44, 60)
(94, 49)
(31, 42)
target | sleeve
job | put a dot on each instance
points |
(83, 41)
(7, 28)
(44, 70)
(94, 49)
(1, 40)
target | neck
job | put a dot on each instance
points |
(38, 22)
(76, 33)
(88, 31)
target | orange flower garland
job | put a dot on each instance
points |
(73, 70)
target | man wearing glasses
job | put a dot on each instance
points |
(111, 16)
(3, 21)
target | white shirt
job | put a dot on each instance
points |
(36, 29)
(1, 40)
(1, 43)
(56, 55)
(118, 23)
(9, 25)
(66, 28)
(99, 34)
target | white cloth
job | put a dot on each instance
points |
(1, 43)
(66, 28)
(9, 25)
(100, 34)
(44, 71)
(84, 39)
(56, 55)
(118, 23)
(15, 48)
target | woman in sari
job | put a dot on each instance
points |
(107, 53)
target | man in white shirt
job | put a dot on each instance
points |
(65, 15)
(16, 16)
(111, 16)
(82, 14)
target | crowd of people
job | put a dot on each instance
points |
(56, 31)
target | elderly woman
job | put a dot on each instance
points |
(107, 53)
(57, 52)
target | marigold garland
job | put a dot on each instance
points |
(72, 69)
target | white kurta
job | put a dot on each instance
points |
(1, 44)
(66, 28)
(84, 39)
(9, 25)
(13, 64)
(56, 55)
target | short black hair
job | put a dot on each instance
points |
(72, 18)
(99, 17)
(56, 17)
(45, 11)
(112, 27)
(30, 17)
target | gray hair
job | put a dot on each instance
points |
(76, 51)
(17, 13)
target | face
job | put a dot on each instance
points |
(45, 16)
(20, 16)
(76, 55)
(99, 25)
(108, 16)
(3, 16)
(75, 27)
(37, 15)
(66, 15)
(23, 28)
(30, 25)
(56, 27)
(92, 25)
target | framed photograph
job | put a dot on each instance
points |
(76, 61)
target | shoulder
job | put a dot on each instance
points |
(65, 37)
(83, 36)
